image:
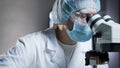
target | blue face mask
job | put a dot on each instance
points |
(81, 32)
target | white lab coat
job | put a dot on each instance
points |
(41, 50)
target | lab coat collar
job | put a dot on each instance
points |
(55, 49)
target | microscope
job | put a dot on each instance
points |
(106, 38)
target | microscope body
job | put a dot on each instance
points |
(110, 35)
(106, 38)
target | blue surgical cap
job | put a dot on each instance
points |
(62, 9)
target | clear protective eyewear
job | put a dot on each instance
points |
(79, 16)
(82, 15)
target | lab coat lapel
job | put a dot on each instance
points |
(59, 58)
(56, 51)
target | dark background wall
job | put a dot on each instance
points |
(21, 17)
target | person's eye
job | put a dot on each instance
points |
(82, 15)
(77, 14)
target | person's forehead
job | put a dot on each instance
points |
(88, 10)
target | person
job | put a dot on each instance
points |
(62, 46)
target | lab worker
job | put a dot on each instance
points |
(62, 46)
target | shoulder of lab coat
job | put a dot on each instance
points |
(25, 51)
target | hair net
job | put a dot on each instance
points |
(62, 9)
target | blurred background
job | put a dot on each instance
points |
(21, 17)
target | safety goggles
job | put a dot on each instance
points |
(82, 15)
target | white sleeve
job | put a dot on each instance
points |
(17, 57)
